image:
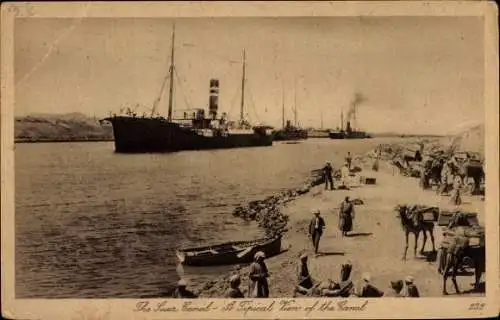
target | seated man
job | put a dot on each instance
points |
(367, 289)
(181, 292)
(305, 282)
(409, 289)
(342, 289)
(395, 289)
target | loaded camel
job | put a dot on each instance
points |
(412, 222)
(459, 252)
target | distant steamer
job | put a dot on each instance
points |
(290, 132)
(195, 131)
(349, 132)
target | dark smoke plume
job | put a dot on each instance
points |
(358, 99)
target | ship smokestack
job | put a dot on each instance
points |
(348, 126)
(213, 105)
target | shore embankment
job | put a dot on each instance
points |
(376, 245)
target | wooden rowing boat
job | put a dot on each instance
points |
(229, 252)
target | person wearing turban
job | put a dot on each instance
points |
(234, 291)
(181, 292)
(410, 290)
(258, 286)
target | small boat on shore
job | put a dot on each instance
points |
(229, 253)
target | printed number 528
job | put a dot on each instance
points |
(477, 306)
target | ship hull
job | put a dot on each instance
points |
(336, 135)
(282, 135)
(148, 135)
(358, 135)
(351, 135)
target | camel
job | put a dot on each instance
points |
(412, 222)
(474, 171)
(453, 258)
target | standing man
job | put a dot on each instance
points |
(346, 216)
(348, 160)
(445, 172)
(258, 287)
(456, 199)
(344, 171)
(424, 176)
(328, 173)
(316, 229)
(375, 165)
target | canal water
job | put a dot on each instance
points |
(91, 223)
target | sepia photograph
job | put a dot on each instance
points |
(326, 161)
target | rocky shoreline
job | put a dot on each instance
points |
(268, 214)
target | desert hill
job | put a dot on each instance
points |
(471, 140)
(60, 127)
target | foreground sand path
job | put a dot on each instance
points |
(379, 245)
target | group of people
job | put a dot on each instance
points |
(346, 288)
(450, 178)
(258, 286)
(345, 171)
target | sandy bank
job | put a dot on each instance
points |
(376, 245)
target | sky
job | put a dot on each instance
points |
(416, 74)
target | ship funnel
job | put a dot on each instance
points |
(213, 105)
(348, 126)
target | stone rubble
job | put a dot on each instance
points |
(267, 212)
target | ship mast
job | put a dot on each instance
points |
(171, 74)
(171, 88)
(342, 119)
(295, 103)
(243, 88)
(283, 107)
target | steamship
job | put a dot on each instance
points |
(289, 132)
(194, 131)
(348, 133)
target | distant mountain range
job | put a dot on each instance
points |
(60, 127)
